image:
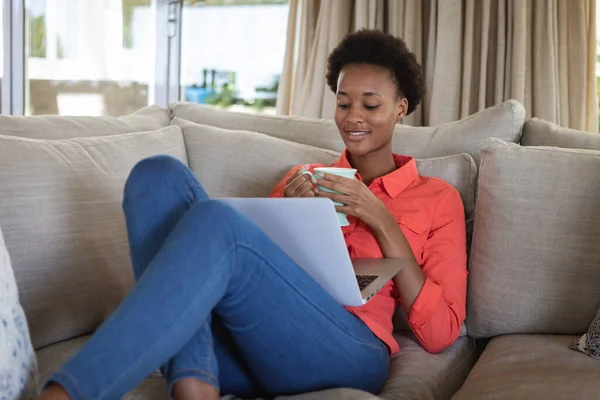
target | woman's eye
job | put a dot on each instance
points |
(343, 106)
(372, 107)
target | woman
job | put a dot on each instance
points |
(223, 310)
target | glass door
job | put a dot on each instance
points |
(89, 57)
(232, 53)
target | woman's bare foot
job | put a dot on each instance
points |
(53, 392)
(194, 389)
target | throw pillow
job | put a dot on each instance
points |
(17, 358)
(589, 343)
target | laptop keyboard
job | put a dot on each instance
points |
(365, 280)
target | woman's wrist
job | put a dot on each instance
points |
(387, 226)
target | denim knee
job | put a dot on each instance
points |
(155, 171)
(154, 168)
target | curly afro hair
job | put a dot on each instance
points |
(374, 47)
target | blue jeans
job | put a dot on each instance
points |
(217, 300)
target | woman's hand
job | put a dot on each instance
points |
(300, 185)
(357, 200)
(362, 203)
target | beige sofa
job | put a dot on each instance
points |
(532, 214)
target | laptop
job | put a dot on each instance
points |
(308, 231)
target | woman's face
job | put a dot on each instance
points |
(368, 108)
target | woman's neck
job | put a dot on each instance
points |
(372, 166)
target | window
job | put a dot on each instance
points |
(112, 57)
(232, 53)
(1, 52)
(88, 57)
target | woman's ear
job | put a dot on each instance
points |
(402, 108)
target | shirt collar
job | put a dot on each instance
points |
(396, 181)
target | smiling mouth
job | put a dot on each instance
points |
(357, 136)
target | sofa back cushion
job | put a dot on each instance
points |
(60, 211)
(503, 121)
(242, 163)
(537, 132)
(535, 259)
(55, 127)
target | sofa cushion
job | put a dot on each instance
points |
(417, 374)
(242, 163)
(532, 367)
(537, 132)
(503, 121)
(60, 210)
(534, 258)
(18, 367)
(57, 127)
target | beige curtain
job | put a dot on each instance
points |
(475, 53)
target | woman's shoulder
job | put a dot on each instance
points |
(436, 186)
(440, 192)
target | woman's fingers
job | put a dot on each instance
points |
(306, 189)
(296, 182)
(338, 197)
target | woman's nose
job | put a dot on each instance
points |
(355, 117)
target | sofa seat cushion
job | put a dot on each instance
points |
(58, 127)
(503, 121)
(60, 211)
(532, 367)
(414, 373)
(417, 374)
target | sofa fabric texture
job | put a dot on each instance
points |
(532, 367)
(537, 132)
(534, 260)
(55, 127)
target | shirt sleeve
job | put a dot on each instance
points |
(439, 310)
(278, 190)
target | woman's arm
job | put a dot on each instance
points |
(410, 280)
(434, 295)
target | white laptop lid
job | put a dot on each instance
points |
(308, 231)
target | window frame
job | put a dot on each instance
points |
(167, 57)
